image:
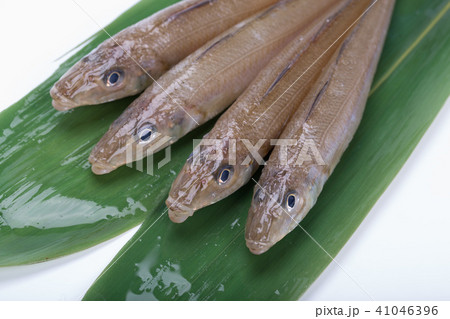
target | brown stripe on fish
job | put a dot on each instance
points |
(230, 35)
(191, 8)
(289, 66)
(281, 75)
(317, 99)
(325, 86)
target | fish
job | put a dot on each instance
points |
(227, 158)
(202, 85)
(127, 63)
(293, 178)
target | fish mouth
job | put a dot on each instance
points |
(61, 102)
(257, 247)
(178, 217)
(100, 168)
(178, 213)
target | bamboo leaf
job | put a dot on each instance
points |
(50, 203)
(206, 259)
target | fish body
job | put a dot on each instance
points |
(202, 85)
(127, 63)
(243, 134)
(294, 177)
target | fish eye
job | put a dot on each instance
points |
(145, 133)
(113, 78)
(225, 175)
(291, 200)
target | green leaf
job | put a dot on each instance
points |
(50, 202)
(206, 258)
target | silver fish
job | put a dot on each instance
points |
(293, 179)
(125, 64)
(202, 85)
(259, 115)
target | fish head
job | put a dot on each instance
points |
(139, 131)
(206, 178)
(280, 201)
(107, 73)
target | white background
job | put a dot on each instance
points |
(400, 252)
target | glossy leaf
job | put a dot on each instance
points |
(206, 258)
(50, 202)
